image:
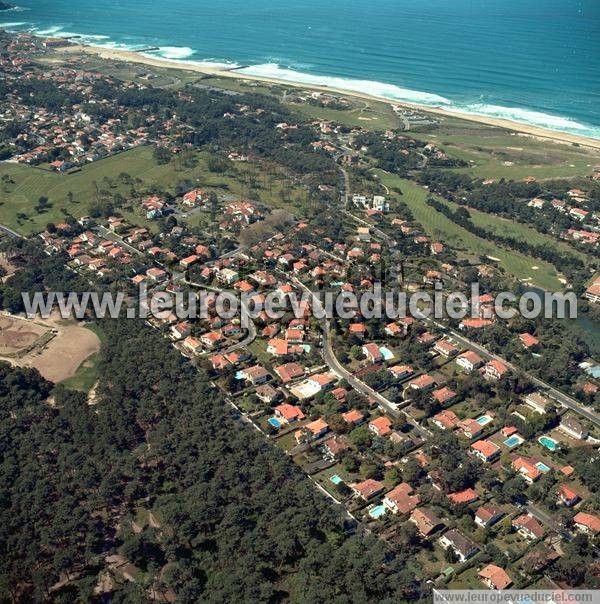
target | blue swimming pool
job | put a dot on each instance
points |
(378, 511)
(274, 422)
(239, 375)
(513, 441)
(548, 442)
(542, 467)
(484, 420)
(336, 479)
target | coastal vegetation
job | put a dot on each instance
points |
(234, 519)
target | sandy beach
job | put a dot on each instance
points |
(222, 72)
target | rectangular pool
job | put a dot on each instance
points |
(484, 420)
(336, 479)
(542, 467)
(513, 441)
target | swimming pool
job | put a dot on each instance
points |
(336, 479)
(542, 467)
(548, 442)
(306, 347)
(484, 420)
(513, 441)
(239, 375)
(378, 511)
(274, 422)
(386, 353)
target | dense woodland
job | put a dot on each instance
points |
(239, 521)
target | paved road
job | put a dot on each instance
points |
(10, 232)
(561, 397)
(334, 365)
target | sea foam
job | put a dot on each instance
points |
(174, 52)
(389, 91)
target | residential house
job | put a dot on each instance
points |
(381, 426)
(444, 396)
(192, 345)
(587, 523)
(462, 546)
(495, 370)
(528, 527)
(528, 341)
(573, 428)
(255, 375)
(423, 382)
(488, 515)
(465, 496)
(426, 521)
(372, 352)
(526, 468)
(335, 446)
(313, 430)
(401, 372)
(401, 499)
(367, 489)
(567, 496)
(353, 417)
(537, 402)
(494, 577)
(470, 428)
(485, 450)
(289, 372)
(289, 413)
(445, 420)
(267, 394)
(446, 349)
(469, 361)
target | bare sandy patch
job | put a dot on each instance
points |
(57, 350)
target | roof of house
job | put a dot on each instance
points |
(529, 523)
(497, 576)
(486, 448)
(426, 520)
(317, 426)
(369, 487)
(589, 520)
(447, 418)
(289, 412)
(486, 512)
(382, 424)
(462, 544)
(528, 340)
(466, 496)
(404, 499)
(443, 395)
(289, 371)
(353, 416)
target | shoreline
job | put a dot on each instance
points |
(223, 72)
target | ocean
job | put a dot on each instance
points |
(532, 61)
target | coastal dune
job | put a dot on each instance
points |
(235, 73)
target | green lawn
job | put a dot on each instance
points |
(498, 153)
(441, 228)
(31, 183)
(370, 116)
(517, 230)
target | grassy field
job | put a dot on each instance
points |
(518, 230)
(441, 228)
(29, 184)
(370, 116)
(497, 153)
